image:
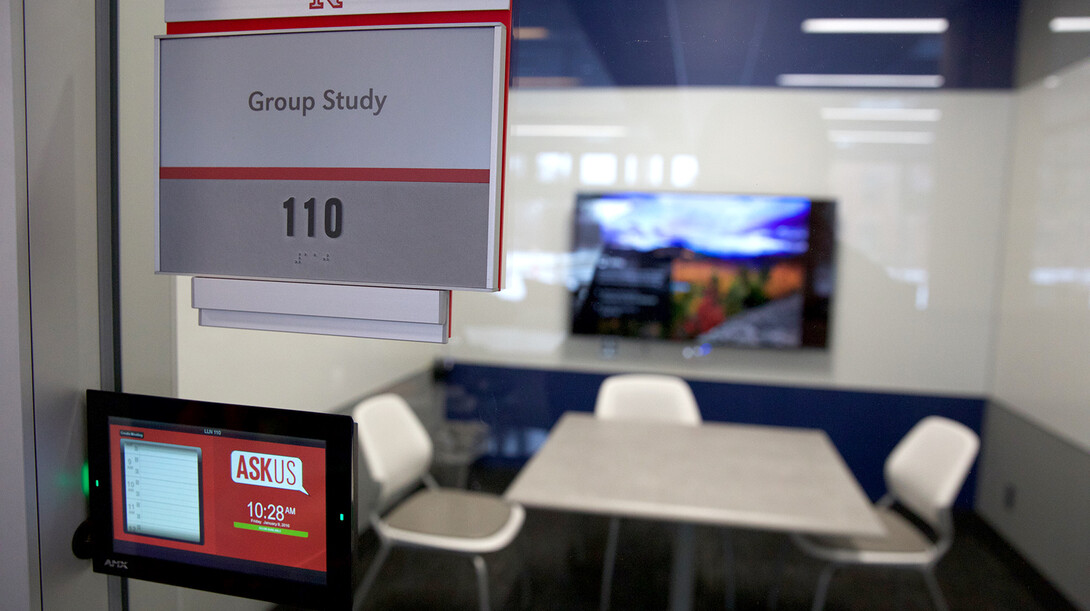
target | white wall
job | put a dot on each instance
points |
(1044, 331)
(920, 224)
(1035, 470)
(1034, 489)
(309, 372)
(920, 227)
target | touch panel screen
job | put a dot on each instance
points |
(217, 496)
(162, 490)
(247, 501)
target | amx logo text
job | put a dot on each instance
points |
(116, 564)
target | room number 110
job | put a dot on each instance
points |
(334, 216)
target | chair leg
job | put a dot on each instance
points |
(482, 582)
(524, 592)
(609, 561)
(823, 587)
(372, 573)
(933, 588)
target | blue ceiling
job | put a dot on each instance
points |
(750, 43)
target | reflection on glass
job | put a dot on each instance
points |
(843, 137)
(1053, 276)
(913, 276)
(598, 169)
(553, 167)
(631, 169)
(684, 170)
(656, 170)
(1060, 256)
(881, 113)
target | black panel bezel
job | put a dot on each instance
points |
(336, 431)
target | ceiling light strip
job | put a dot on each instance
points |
(1069, 24)
(875, 26)
(878, 81)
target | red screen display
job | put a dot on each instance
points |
(216, 492)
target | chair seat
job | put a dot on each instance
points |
(903, 544)
(454, 520)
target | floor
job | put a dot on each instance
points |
(556, 564)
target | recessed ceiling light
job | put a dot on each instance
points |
(875, 26)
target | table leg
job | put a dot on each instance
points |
(681, 583)
(608, 563)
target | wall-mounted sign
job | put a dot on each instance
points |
(364, 156)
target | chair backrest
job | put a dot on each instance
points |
(395, 445)
(927, 468)
(654, 397)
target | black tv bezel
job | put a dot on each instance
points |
(335, 431)
(821, 253)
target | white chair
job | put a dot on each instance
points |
(398, 453)
(923, 474)
(646, 397)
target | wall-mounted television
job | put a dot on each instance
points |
(241, 500)
(716, 269)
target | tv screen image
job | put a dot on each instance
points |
(716, 269)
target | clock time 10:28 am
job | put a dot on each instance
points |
(270, 511)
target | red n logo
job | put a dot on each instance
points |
(315, 4)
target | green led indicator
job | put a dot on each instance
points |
(85, 479)
(342, 517)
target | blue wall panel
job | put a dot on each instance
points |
(521, 405)
(650, 43)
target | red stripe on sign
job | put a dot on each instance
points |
(337, 21)
(345, 174)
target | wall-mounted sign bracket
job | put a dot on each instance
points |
(325, 309)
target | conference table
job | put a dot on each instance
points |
(731, 475)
